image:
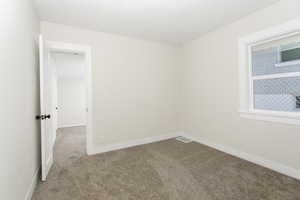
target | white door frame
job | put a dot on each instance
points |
(87, 51)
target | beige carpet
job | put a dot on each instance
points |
(167, 170)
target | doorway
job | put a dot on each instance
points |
(68, 89)
(69, 106)
(66, 103)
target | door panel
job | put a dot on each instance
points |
(47, 131)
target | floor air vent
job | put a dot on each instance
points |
(183, 139)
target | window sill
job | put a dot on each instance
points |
(272, 116)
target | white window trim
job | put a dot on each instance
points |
(246, 109)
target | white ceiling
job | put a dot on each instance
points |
(172, 21)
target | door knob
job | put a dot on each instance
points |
(47, 116)
(40, 117)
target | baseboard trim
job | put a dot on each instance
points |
(49, 164)
(278, 167)
(123, 145)
(32, 185)
(71, 125)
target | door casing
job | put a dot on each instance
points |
(55, 46)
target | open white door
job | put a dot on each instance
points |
(47, 131)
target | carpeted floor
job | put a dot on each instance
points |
(167, 170)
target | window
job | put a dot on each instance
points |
(288, 54)
(275, 88)
(270, 74)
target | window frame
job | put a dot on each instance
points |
(245, 44)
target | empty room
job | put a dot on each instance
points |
(150, 100)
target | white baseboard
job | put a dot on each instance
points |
(123, 145)
(70, 125)
(49, 164)
(32, 185)
(289, 171)
(54, 138)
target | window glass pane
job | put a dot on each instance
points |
(278, 94)
(290, 55)
(268, 57)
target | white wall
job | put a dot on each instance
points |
(135, 84)
(71, 93)
(210, 91)
(19, 131)
(71, 103)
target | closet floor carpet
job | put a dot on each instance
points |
(166, 170)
